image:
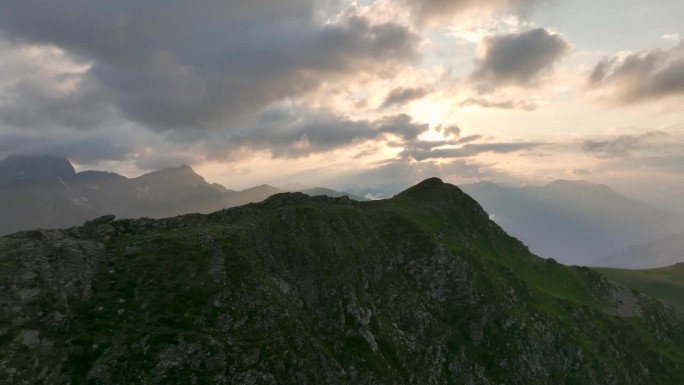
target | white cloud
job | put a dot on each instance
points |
(672, 37)
(506, 24)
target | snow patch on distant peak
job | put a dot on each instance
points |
(62, 182)
(81, 202)
(145, 190)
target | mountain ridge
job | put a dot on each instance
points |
(419, 288)
(45, 192)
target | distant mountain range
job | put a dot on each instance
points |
(46, 192)
(574, 221)
(657, 253)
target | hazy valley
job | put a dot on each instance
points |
(581, 223)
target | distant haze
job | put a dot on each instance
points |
(655, 253)
(576, 222)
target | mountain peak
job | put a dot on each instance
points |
(428, 186)
(437, 194)
(30, 160)
(35, 169)
(183, 168)
(183, 174)
(431, 182)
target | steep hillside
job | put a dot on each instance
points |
(665, 283)
(574, 221)
(658, 253)
(419, 289)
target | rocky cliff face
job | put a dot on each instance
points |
(418, 289)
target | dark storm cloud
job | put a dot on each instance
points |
(449, 130)
(468, 139)
(641, 76)
(87, 150)
(417, 146)
(83, 149)
(429, 10)
(401, 96)
(15, 141)
(33, 104)
(503, 105)
(518, 58)
(401, 125)
(158, 161)
(288, 134)
(196, 64)
(620, 146)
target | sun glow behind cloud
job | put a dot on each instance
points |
(344, 92)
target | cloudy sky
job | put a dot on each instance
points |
(345, 94)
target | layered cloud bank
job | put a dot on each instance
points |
(378, 92)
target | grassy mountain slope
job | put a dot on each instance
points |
(419, 289)
(666, 283)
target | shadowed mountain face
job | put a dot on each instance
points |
(35, 191)
(46, 192)
(18, 170)
(419, 289)
(574, 221)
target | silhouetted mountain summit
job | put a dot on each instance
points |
(183, 171)
(432, 185)
(433, 192)
(24, 169)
